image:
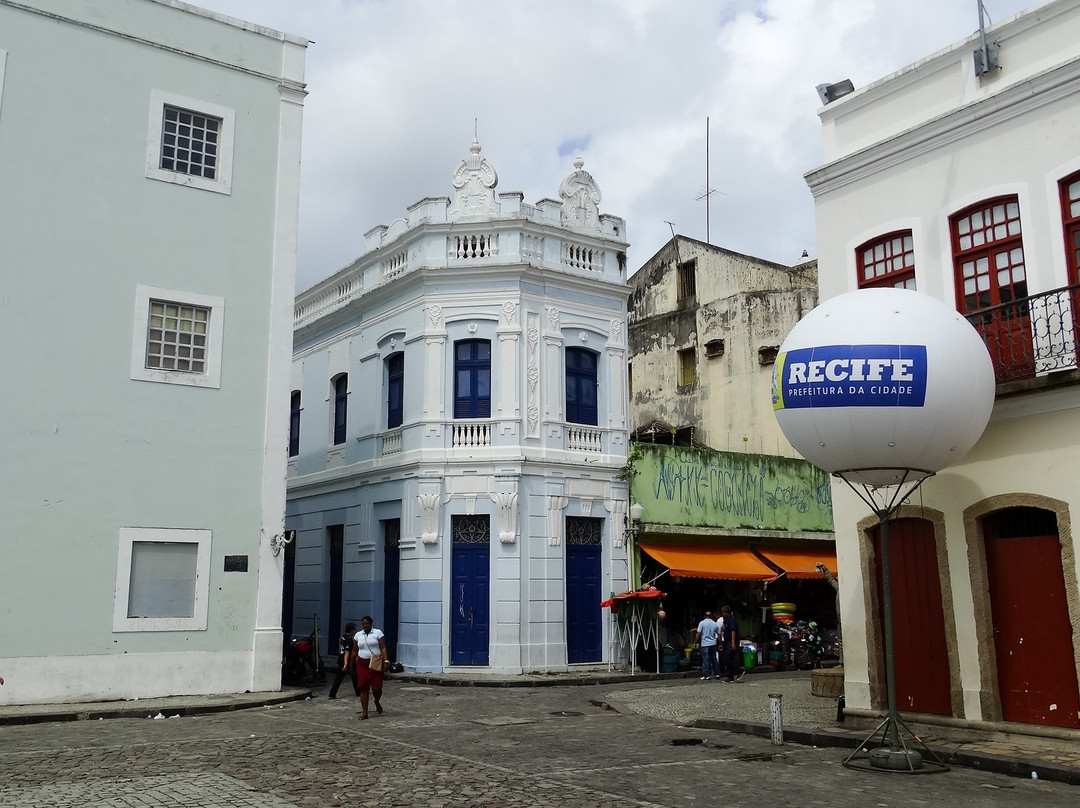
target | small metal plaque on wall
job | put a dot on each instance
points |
(236, 563)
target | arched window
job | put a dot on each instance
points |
(1070, 217)
(887, 262)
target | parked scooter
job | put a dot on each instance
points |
(302, 663)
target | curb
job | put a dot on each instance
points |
(553, 681)
(845, 739)
(92, 712)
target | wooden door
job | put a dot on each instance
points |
(1036, 666)
(920, 650)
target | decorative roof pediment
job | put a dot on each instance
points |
(474, 184)
(581, 199)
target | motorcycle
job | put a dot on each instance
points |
(800, 643)
(301, 662)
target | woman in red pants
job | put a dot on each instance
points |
(369, 651)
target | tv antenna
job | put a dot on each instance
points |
(707, 191)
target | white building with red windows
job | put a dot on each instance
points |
(965, 185)
(459, 424)
(148, 278)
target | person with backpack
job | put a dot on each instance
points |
(344, 661)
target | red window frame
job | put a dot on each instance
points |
(887, 261)
(988, 254)
(1070, 220)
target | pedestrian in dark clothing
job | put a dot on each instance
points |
(729, 646)
(344, 661)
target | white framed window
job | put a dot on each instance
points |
(190, 142)
(177, 337)
(162, 579)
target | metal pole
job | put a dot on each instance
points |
(776, 718)
(890, 661)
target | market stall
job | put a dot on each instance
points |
(635, 619)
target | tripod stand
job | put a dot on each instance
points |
(899, 749)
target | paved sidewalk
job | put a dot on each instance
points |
(678, 698)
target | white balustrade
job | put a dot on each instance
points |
(480, 245)
(391, 442)
(333, 298)
(395, 265)
(580, 257)
(469, 434)
(584, 439)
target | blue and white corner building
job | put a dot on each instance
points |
(459, 423)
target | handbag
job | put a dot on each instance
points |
(376, 663)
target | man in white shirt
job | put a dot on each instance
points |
(707, 632)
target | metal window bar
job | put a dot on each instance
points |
(176, 337)
(189, 142)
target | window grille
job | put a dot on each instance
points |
(470, 529)
(687, 278)
(583, 530)
(189, 142)
(176, 337)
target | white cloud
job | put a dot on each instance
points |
(395, 88)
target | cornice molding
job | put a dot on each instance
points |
(1018, 100)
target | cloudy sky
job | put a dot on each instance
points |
(396, 85)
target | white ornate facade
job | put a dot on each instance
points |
(436, 437)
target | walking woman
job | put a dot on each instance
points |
(369, 649)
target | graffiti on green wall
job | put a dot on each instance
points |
(699, 487)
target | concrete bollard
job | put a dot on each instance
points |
(776, 718)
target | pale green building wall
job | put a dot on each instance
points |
(88, 449)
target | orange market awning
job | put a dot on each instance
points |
(699, 561)
(801, 562)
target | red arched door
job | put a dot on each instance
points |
(919, 649)
(1036, 668)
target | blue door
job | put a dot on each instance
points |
(584, 628)
(469, 586)
(391, 583)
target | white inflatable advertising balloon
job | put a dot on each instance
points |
(879, 381)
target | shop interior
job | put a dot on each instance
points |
(786, 621)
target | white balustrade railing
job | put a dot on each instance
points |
(478, 245)
(580, 257)
(532, 246)
(471, 433)
(395, 265)
(391, 442)
(333, 298)
(584, 438)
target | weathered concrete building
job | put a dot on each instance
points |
(728, 505)
(964, 183)
(705, 325)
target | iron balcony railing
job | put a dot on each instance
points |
(1031, 336)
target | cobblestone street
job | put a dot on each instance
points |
(455, 746)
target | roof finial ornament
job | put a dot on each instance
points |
(474, 184)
